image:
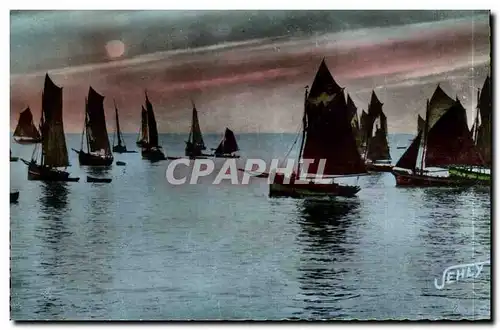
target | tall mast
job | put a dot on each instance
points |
(304, 124)
(84, 125)
(424, 145)
(118, 133)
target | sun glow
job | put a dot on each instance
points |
(115, 48)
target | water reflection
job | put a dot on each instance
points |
(53, 234)
(325, 248)
(98, 170)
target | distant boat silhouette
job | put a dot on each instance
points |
(26, 132)
(98, 149)
(120, 147)
(377, 155)
(228, 146)
(54, 153)
(13, 159)
(143, 133)
(195, 144)
(445, 140)
(14, 196)
(326, 134)
(151, 150)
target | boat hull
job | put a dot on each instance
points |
(87, 159)
(417, 180)
(27, 140)
(375, 167)
(278, 188)
(226, 156)
(42, 173)
(153, 154)
(469, 175)
(14, 197)
(119, 149)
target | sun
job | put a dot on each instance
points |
(115, 48)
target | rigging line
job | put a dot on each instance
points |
(297, 135)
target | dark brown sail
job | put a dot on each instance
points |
(409, 158)
(195, 143)
(25, 128)
(228, 144)
(118, 131)
(328, 129)
(152, 137)
(363, 127)
(55, 153)
(448, 141)
(143, 133)
(420, 123)
(484, 130)
(377, 145)
(97, 132)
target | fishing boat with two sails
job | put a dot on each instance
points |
(150, 148)
(195, 144)
(26, 132)
(444, 141)
(143, 133)
(120, 147)
(98, 148)
(326, 135)
(54, 154)
(376, 154)
(481, 133)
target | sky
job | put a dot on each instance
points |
(244, 69)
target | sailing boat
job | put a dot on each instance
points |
(481, 133)
(98, 148)
(377, 155)
(26, 132)
(120, 147)
(143, 133)
(150, 148)
(326, 135)
(195, 144)
(54, 152)
(445, 140)
(228, 146)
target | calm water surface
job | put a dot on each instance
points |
(140, 248)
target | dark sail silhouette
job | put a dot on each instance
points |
(420, 123)
(228, 146)
(363, 127)
(143, 133)
(26, 132)
(54, 153)
(483, 130)
(327, 135)
(444, 141)
(377, 154)
(195, 144)
(151, 149)
(120, 147)
(97, 142)
(354, 121)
